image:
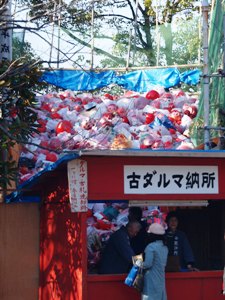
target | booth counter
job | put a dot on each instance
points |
(192, 285)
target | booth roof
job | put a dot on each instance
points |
(18, 195)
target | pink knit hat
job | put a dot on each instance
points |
(156, 228)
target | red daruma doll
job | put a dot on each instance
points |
(62, 126)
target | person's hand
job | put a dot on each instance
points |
(138, 263)
(191, 268)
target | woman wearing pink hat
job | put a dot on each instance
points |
(154, 264)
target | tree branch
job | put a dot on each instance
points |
(97, 50)
(114, 15)
(20, 141)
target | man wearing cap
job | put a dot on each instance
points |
(154, 264)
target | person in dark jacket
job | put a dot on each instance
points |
(178, 244)
(138, 243)
(117, 255)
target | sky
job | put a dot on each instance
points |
(40, 43)
(41, 46)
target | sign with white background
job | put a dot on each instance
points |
(153, 179)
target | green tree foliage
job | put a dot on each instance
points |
(139, 36)
(21, 48)
(186, 41)
(18, 81)
(169, 8)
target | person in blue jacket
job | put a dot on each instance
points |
(117, 255)
(155, 259)
(178, 244)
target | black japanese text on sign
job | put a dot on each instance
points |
(171, 179)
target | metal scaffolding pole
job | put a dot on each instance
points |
(129, 48)
(135, 30)
(92, 34)
(223, 44)
(205, 13)
(124, 69)
(59, 31)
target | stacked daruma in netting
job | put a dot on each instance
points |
(67, 122)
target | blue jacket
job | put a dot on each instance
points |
(154, 265)
(117, 255)
(179, 245)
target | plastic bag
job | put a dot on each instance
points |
(131, 276)
(138, 282)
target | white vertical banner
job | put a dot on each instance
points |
(78, 191)
(6, 31)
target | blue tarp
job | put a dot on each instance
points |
(139, 81)
(190, 77)
(143, 81)
(78, 80)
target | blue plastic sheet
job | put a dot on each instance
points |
(143, 81)
(139, 81)
(160, 120)
(190, 77)
(76, 80)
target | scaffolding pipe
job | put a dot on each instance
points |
(123, 69)
(223, 44)
(200, 34)
(53, 33)
(129, 48)
(59, 31)
(135, 30)
(92, 34)
(205, 15)
(157, 35)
